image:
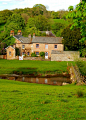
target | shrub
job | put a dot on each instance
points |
(42, 54)
(17, 51)
(33, 55)
(80, 93)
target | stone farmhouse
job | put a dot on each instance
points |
(51, 45)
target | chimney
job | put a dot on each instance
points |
(33, 35)
(29, 36)
(47, 33)
(12, 33)
(19, 32)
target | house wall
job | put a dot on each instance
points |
(12, 55)
(66, 56)
(27, 48)
(42, 48)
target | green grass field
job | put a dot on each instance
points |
(29, 101)
(30, 67)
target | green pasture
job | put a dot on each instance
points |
(32, 67)
(30, 101)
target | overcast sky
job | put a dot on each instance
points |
(54, 5)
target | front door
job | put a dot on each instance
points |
(46, 55)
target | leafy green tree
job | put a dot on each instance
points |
(4, 15)
(56, 27)
(71, 38)
(40, 22)
(2, 48)
(17, 20)
(54, 15)
(79, 18)
(31, 31)
(70, 8)
(10, 40)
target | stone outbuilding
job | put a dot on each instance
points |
(10, 52)
(64, 55)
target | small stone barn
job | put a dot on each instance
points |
(10, 52)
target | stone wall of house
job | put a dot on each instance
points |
(1, 56)
(26, 49)
(65, 56)
(42, 48)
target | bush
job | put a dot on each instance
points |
(42, 54)
(80, 93)
(17, 51)
(84, 52)
(33, 55)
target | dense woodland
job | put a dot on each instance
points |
(71, 25)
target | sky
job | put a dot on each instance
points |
(52, 5)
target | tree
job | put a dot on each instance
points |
(4, 15)
(56, 27)
(40, 22)
(25, 17)
(79, 18)
(15, 22)
(31, 31)
(71, 38)
(70, 8)
(54, 15)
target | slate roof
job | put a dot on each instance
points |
(49, 40)
(23, 39)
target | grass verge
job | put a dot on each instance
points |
(32, 67)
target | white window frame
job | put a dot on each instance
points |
(46, 46)
(46, 81)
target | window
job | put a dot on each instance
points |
(23, 46)
(37, 80)
(37, 45)
(46, 46)
(23, 53)
(54, 82)
(9, 53)
(28, 53)
(55, 46)
(46, 81)
(37, 53)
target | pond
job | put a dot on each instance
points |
(56, 80)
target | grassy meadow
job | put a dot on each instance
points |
(29, 101)
(32, 67)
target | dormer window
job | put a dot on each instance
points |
(23, 46)
(37, 45)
